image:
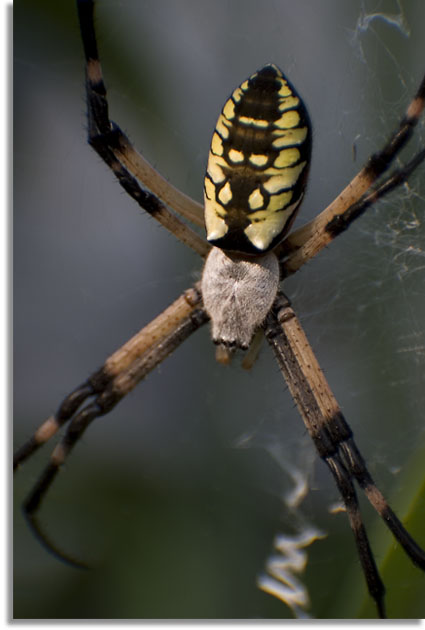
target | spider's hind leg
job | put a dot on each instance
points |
(359, 470)
(333, 439)
(345, 485)
(51, 426)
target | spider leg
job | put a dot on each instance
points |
(119, 375)
(116, 150)
(306, 242)
(333, 438)
(32, 503)
(341, 436)
(340, 222)
(187, 306)
(52, 425)
(374, 582)
(358, 469)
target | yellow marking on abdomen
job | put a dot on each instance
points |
(279, 201)
(225, 194)
(216, 145)
(229, 109)
(285, 90)
(253, 122)
(256, 199)
(209, 188)
(215, 170)
(287, 157)
(288, 102)
(286, 178)
(237, 94)
(288, 120)
(267, 226)
(289, 136)
(236, 156)
(222, 128)
(215, 224)
(258, 159)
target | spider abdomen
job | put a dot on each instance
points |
(238, 293)
(258, 164)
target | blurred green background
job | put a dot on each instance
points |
(175, 497)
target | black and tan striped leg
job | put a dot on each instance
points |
(333, 439)
(363, 191)
(348, 493)
(358, 469)
(156, 196)
(119, 375)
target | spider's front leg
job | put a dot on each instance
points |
(116, 150)
(365, 189)
(121, 372)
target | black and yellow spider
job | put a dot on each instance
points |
(134, 360)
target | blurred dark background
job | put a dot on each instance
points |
(175, 497)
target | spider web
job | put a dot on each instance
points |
(370, 308)
(187, 519)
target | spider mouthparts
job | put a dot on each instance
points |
(223, 354)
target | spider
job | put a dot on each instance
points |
(125, 368)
